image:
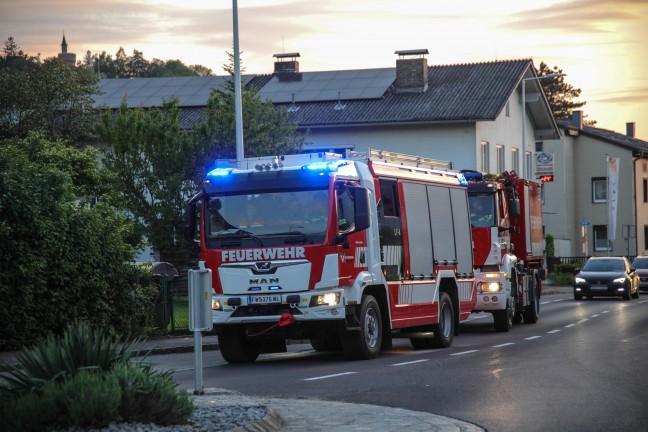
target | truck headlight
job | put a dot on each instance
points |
(491, 287)
(328, 299)
(216, 305)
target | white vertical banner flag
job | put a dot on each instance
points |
(613, 192)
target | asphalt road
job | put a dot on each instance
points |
(582, 367)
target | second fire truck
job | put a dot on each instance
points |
(506, 219)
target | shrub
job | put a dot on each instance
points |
(568, 268)
(562, 279)
(150, 396)
(89, 399)
(59, 359)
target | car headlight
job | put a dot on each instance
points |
(328, 299)
(579, 280)
(619, 280)
(491, 287)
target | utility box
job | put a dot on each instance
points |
(200, 300)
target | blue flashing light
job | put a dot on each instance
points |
(473, 176)
(325, 166)
(219, 172)
(462, 180)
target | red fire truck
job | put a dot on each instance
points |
(345, 251)
(506, 219)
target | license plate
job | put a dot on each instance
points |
(264, 299)
(599, 287)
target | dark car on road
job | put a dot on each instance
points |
(641, 264)
(606, 276)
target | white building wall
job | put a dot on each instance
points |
(589, 156)
(558, 209)
(450, 143)
(641, 175)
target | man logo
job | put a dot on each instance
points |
(260, 281)
(263, 265)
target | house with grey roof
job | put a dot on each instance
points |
(470, 114)
(575, 205)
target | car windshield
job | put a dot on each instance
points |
(299, 213)
(604, 265)
(640, 263)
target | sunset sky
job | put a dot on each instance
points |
(601, 45)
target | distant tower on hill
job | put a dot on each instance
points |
(68, 58)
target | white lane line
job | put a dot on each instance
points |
(570, 325)
(329, 376)
(553, 331)
(410, 362)
(559, 300)
(532, 337)
(503, 345)
(594, 316)
(582, 321)
(464, 352)
(606, 311)
(642, 301)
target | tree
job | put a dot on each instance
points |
(62, 259)
(153, 161)
(49, 97)
(266, 129)
(137, 66)
(559, 94)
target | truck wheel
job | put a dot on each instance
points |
(444, 331)
(532, 311)
(503, 319)
(234, 346)
(364, 344)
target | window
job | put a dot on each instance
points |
(500, 159)
(599, 189)
(601, 242)
(508, 109)
(645, 237)
(484, 157)
(515, 160)
(645, 190)
(528, 166)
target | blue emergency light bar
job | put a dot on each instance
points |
(329, 166)
(219, 172)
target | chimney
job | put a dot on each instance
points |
(411, 71)
(576, 119)
(287, 67)
(630, 130)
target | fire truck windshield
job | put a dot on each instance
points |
(482, 210)
(286, 216)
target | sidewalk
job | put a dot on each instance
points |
(292, 415)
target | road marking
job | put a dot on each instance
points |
(464, 352)
(642, 301)
(582, 321)
(570, 325)
(594, 316)
(532, 337)
(606, 311)
(553, 331)
(329, 376)
(410, 362)
(503, 345)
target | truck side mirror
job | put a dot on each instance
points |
(514, 207)
(190, 222)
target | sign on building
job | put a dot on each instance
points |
(544, 166)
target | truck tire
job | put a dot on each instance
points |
(364, 344)
(503, 319)
(234, 346)
(532, 311)
(444, 331)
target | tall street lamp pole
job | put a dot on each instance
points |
(238, 108)
(524, 81)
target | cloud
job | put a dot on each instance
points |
(585, 16)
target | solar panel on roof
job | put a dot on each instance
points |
(324, 86)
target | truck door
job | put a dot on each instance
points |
(390, 230)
